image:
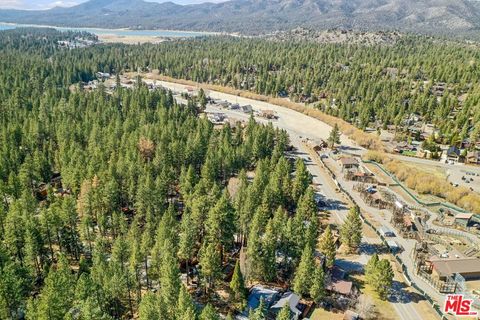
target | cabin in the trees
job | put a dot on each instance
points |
(338, 284)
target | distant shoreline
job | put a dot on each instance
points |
(106, 30)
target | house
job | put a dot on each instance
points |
(348, 163)
(342, 287)
(463, 219)
(247, 108)
(338, 284)
(293, 301)
(400, 147)
(386, 232)
(473, 157)
(453, 153)
(469, 268)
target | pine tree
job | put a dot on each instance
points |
(169, 280)
(210, 264)
(284, 313)
(371, 268)
(186, 308)
(303, 275)
(269, 247)
(334, 137)
(327, 247)
(317, 290)
(187, 240)
(57, 294)
(384, 278)
(351, 230)
(379, 274)
(259, 313)
(301, 181)
(237, 285)
(150, 307)
(209, 313)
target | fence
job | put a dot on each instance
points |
(435, 306)
(427, 204)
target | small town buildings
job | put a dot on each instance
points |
(463, 219)
(348, 163)
(469, 268)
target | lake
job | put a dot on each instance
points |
(118, 32)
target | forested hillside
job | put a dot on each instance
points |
(107, 198)
(455, 18)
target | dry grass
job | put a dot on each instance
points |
(321, 314)
(428, 183)
(362, 138)
(384, 308)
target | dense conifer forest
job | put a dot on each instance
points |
(108, 197)
(365, 85)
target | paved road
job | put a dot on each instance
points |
(300, 126)
(314, 129)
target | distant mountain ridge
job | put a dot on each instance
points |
(262, 16)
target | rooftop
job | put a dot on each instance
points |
(257, 293)
(291, 299)
(466, 216)
(451, 266)
(340, 286)
(345, 161)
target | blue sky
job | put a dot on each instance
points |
(46, 4)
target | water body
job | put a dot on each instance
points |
(117, 32)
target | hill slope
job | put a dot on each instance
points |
(259, 16)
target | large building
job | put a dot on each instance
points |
(469, 268)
